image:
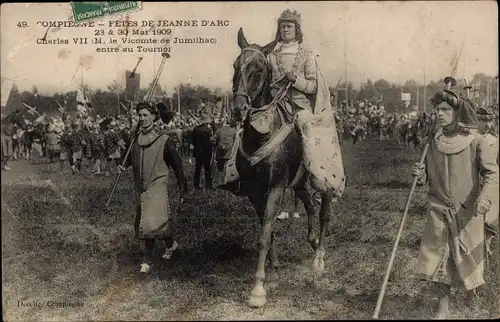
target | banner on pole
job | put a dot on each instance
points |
(7, 85)
(405, 97)
(132, 85)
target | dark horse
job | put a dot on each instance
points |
(264, 182)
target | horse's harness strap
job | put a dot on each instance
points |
(244, 79)
(267, 147)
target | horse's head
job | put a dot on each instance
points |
(251, 75)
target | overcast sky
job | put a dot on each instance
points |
(391, 40)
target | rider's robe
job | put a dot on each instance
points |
(153, 152)
(453, 242)
(312, 110)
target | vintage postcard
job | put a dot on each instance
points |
(250, 160)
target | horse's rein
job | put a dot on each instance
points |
(243, 75)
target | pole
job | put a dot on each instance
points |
(497, 87)
(179, 99)
(425, 94)
(345, 67)
(398, 237)
(336, 99)
(488, 92)
(418, 94)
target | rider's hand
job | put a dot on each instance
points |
(120, 169)
(289, 77)
(418, 170)
(482, 207)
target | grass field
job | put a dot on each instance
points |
(60, 244)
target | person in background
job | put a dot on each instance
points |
(152, 154)
(114, 146)
(53, 147)
(8, 131)
(486, 118)
(203, 149)
(65, 143)
(458, 159)
(224, 139)
(98, 145)
(77, 145)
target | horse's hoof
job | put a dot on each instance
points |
(257, 297)
(257, 301)
(318, 266)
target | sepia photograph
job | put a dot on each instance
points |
(251, 160)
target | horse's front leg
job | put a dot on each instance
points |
(259, 204)
(273, 204)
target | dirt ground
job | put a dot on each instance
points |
(60, 246)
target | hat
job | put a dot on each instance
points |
(451, 80)
(150, 106)
(485, 114)
(57, 130)
(289, 15)
(166, 116)
(465, 114)
(205, 118)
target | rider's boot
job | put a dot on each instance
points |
(230, 177)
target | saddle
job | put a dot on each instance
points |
(262, 119)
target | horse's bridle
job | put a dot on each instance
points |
(242, 75)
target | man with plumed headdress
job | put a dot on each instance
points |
(462, 174)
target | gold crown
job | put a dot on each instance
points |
(289, 15)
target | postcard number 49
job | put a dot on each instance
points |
(22, 24)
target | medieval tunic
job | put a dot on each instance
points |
(295, 58)
(77, 144)
(53, 142)
(453, 240)
(150, 157)
(65, 143)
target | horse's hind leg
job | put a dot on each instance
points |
(273, 203)
(305, 197)
(324, 219)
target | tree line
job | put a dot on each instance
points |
(107, 101)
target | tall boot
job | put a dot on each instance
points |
(444, 294)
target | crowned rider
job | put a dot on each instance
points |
(292, 61)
